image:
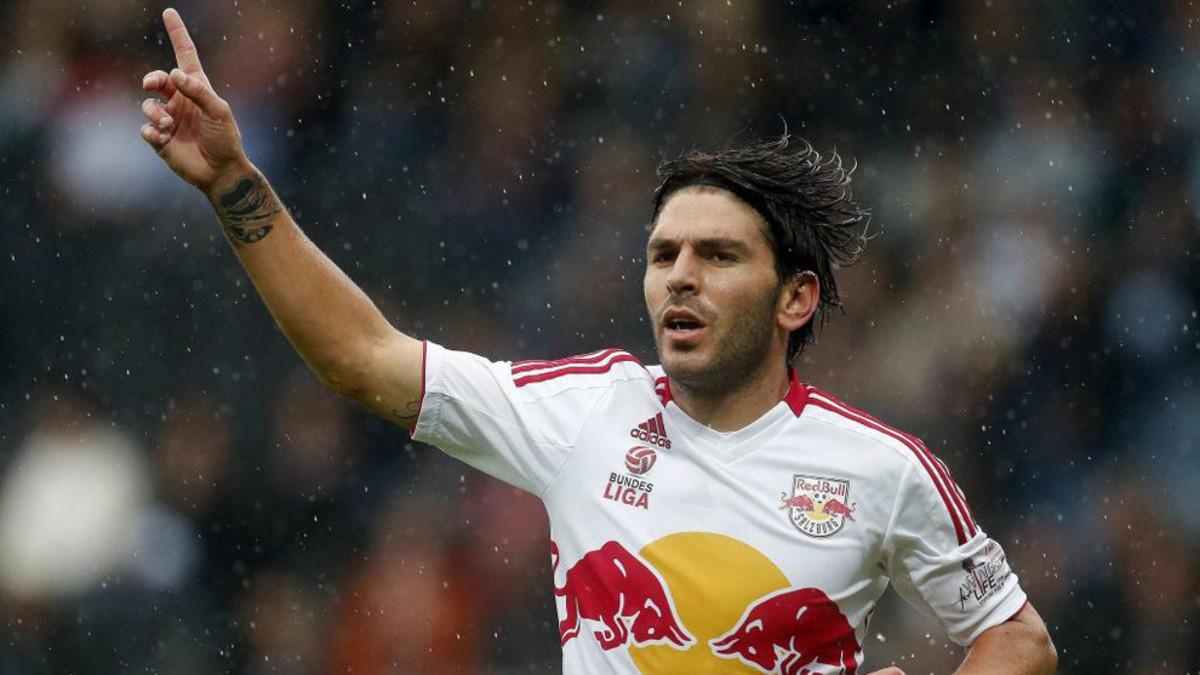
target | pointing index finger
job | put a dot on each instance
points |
(185, 49)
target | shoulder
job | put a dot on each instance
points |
(601, 369)
(864, 429)
(930, 475)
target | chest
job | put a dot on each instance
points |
(780, 496)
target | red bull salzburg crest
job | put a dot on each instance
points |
(818, 507)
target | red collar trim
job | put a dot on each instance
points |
(662, 387)
(796, 396)
(797, 393)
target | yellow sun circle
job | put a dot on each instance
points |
(712, 579)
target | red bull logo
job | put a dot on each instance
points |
(802, 502)
(701, 602)
(792, 632)
(833, 507)
(614, 588)
(818, 507)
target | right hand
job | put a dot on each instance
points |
(194, 131)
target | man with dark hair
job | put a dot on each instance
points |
(715, 513)
(812, 220)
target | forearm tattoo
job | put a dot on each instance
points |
(409, 412)
(247, 209)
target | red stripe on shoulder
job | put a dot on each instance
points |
(928, 462)
(540, 364)
(972, 524)
(577, 368)
(955, 492)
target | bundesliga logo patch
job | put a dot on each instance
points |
(632, 489)
(818, 507)
(639, 459)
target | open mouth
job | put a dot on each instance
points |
(681, 324)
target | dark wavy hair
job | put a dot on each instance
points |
(813, 223)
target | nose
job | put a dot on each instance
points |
(684, 274)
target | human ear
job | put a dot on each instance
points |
(798, 300)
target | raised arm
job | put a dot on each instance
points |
(329, 320)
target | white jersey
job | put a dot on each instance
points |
(678, 548)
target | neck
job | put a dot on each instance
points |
(733, 409)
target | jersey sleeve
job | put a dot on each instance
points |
(941, 562)
(472, 409)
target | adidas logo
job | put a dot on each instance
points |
(652, 431)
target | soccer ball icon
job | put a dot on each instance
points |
(639, 459)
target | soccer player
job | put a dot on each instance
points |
(712, 514)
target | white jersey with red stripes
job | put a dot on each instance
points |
(679, 548)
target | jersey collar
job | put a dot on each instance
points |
(796, 397)
(797, 393)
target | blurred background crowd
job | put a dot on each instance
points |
(179, 495)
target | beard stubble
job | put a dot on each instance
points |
(738, 354)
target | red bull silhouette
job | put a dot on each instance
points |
(835, 507)
(614, 587)
(802, 502)
(792, 632)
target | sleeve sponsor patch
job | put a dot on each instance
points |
(984, 577)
